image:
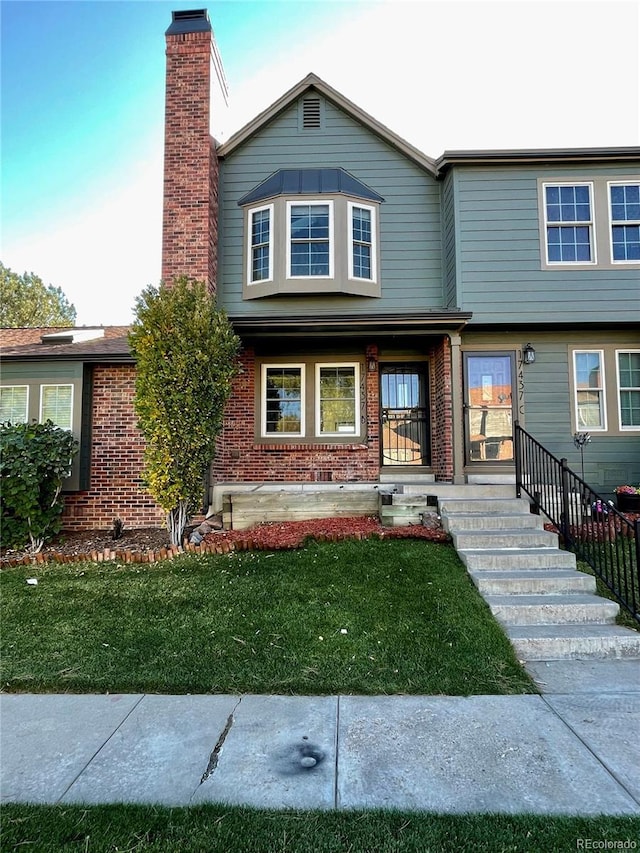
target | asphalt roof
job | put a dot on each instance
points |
(27, 344)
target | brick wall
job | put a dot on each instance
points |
(115, 488)
(240, 458)
(442, 411)
(189, 230)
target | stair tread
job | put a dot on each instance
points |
(570, 630)
(526, 574)
(497, 552)
(575, 598)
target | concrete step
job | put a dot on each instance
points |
(489, 491)
(422, 501)
(571, 609)
(533, 582)
(573, 642)
(471, 521)
(540, 559)
(515, 538)
(483, 506)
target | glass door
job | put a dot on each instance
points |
(489, 406)
(404, 414)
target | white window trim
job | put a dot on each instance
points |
(618, 389)
(311, 201)
(26, 405)
(625, 222)
(374, 240)
(602, 390)
(250, 214)
(356, 425)
(591, 223)
(71, 407)
(263, 401)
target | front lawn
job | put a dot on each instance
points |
(228, 829)
(369, 617)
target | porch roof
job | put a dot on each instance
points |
(351, 325)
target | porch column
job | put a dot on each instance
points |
(457, 409)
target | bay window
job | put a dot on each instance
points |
(309, 239)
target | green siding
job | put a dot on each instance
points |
(409, 229)
(449, 240)
(36, 373)
(499, 274)
(546, 402)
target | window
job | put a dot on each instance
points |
(56, 404)
(628, 364)
(310, 228)
(283, 396)
(14, 403)
(311, 401)
(311, 231)
(337, 399)
(261, 246)
(589, 389)
(589, 222)
(625, 222)
(362, 253)
(569, 223)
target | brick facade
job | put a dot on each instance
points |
(190, 229)
(240, 457)
(442, 411)
(115, 489)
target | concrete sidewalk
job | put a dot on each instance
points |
(572, 750)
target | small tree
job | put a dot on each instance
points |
(36, 459)
(186, 357)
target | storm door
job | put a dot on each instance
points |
(489, 406)
(404, 415)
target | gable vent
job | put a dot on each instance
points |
(311, 113)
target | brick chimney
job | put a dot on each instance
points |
(195, 80)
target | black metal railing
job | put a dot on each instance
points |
(589, 525)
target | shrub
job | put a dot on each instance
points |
(35, 460)
(186, 358)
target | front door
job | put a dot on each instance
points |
(404, 415)
(489, 407)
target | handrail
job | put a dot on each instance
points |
(589, 525)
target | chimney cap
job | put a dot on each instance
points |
(189, 21)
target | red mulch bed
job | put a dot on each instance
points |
(149, 545)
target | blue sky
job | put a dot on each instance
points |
(83, 104)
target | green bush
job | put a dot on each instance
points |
(35, 460)
(186, 358)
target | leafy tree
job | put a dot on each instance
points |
(35, 459)
(185, 352)
(26, 302)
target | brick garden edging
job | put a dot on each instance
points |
(226, 542)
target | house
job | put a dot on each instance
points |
(83, 380)
(398, 313)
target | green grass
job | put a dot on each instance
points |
(243, 830)
(369, 617)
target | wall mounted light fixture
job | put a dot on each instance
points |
(372, 365)
(528, 354)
